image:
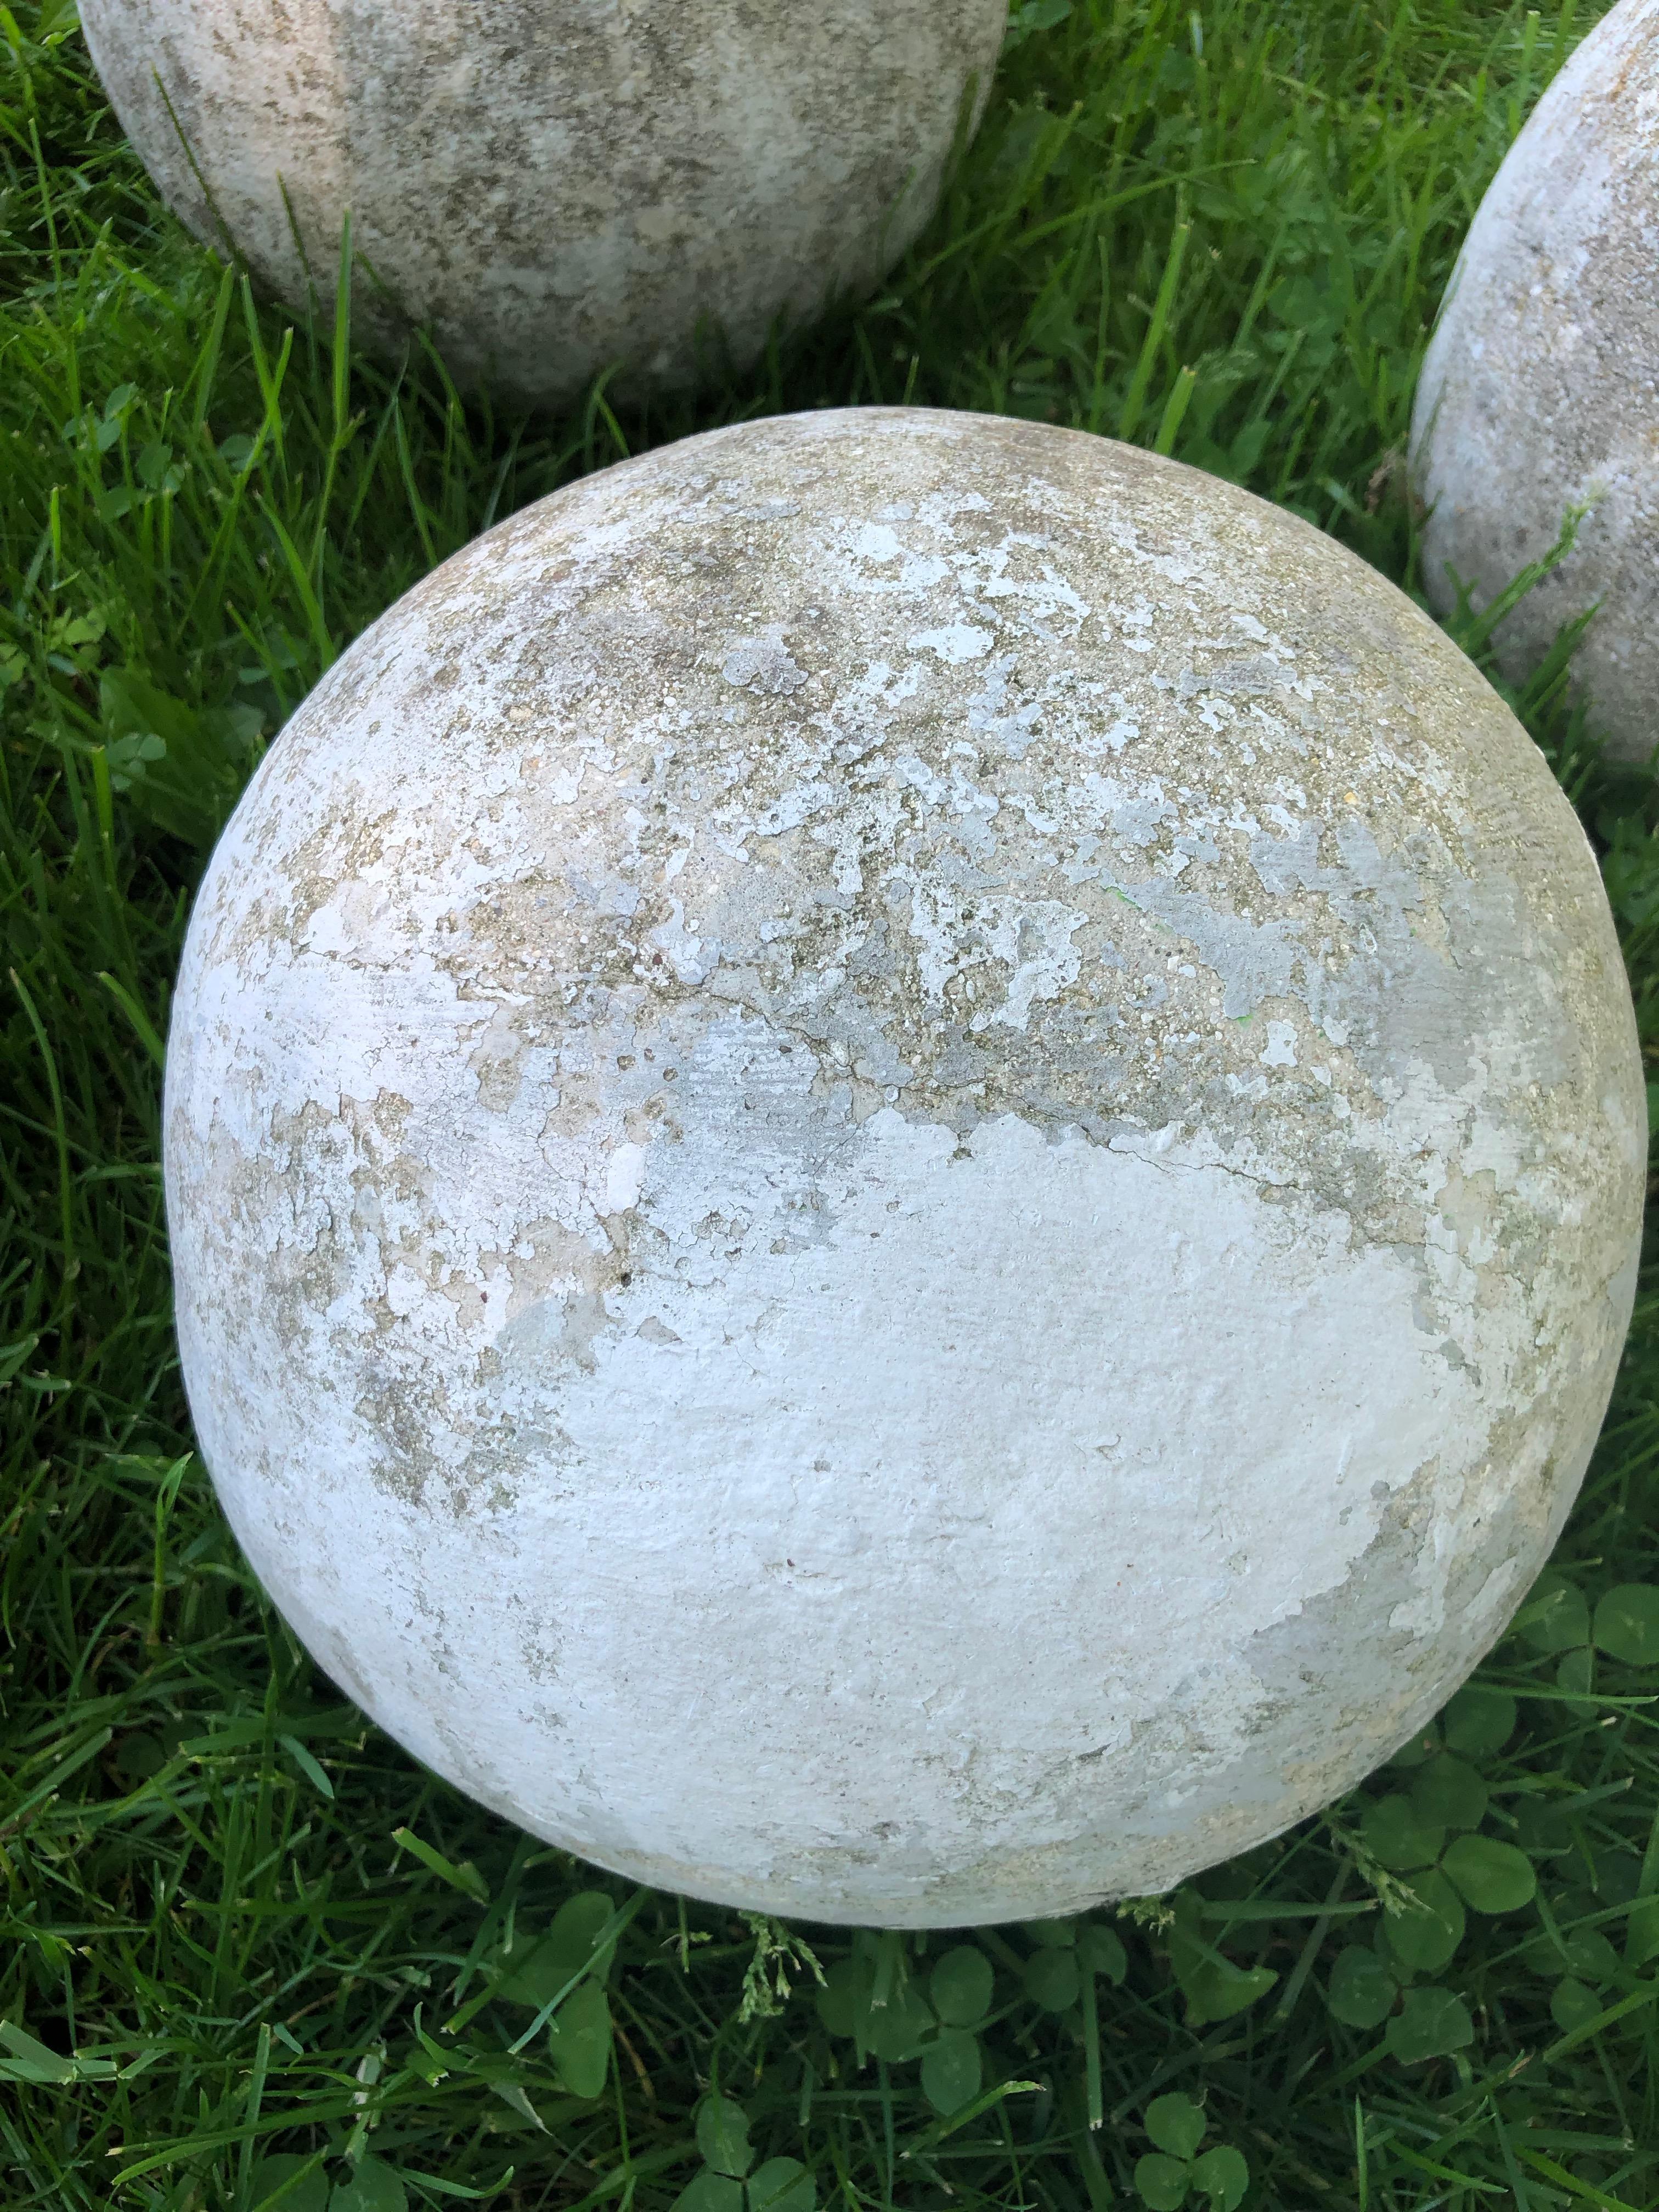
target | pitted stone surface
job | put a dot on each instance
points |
(905, 1155)
(1540, 392)
(554, 187)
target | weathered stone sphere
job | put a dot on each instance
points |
(554, 187)
(1541, 391)
(905, 1154)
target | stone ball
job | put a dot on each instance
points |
(554, 187)
(1541, 391)
(905, 1154)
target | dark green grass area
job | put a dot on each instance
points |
(251, 1955)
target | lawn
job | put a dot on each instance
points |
(253, 1955)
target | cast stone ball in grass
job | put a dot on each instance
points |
(554, 187)
(1541, 391)
(905, 1154)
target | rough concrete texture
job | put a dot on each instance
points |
(553, 185)
(1541, 391)
(905, 1154)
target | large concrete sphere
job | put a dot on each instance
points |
(553, 185)
(1541, 391)
(905, 1154)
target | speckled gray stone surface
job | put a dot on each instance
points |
(553, 185)
(1541, 391)
(905, 1154)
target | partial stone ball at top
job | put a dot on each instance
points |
(1539, 394)
(555, 187)
(905, 1155)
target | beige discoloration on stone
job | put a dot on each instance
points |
(1541, 391)
(905, 1155)
(554, 187)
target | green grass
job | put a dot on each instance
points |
(240, 1927)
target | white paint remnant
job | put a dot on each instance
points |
(554, 189)
(1281, 1045)
(764, 664)
(958, 642)
(773, 1319)
(624, 1178)
(1541, 391)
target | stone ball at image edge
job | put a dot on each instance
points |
(1540, 392)
(905, 1154)
(551, 190)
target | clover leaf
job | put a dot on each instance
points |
(1052, 1979)
(294, 2181)
(1431, 2024)
(781, 2184)
(961, 1986)
(1172, 2172)
(723, 2136)
(1361, 1992)
(953, 2068)
(1493, 1877)
(709, 2191)
(1408, 1835)
(1176, 2124)
(1480, 1719)
(289, 2181)
(726, 2184)
(1627, 1625)
(1028, 16)
(374, 2187)
(1213, 1987)
(1555, 1617)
